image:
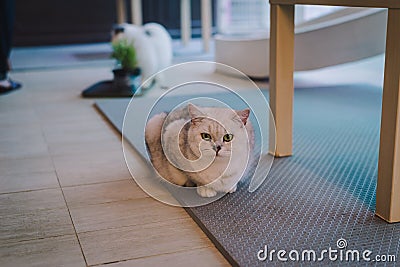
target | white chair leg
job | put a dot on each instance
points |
(186, 23)
(136, 12)
(206, 23)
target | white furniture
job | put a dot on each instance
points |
(360, 33)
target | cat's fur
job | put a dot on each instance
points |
(180, 155)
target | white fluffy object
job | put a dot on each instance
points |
(153, 47)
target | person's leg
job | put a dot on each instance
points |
(7, 16)
(7, 10)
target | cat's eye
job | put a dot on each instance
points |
(228, 137)
(206, 136)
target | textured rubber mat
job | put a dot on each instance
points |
(324, 193)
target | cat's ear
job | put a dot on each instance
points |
(243, 115)
(195, 113)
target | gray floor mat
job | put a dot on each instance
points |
(324, 192)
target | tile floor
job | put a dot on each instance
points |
(66, 196)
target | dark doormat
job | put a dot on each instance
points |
(316, 206)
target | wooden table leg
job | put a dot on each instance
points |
(281, 86)
(388, 189)
(121, 11)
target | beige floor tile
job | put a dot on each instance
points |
(84, 195)
(27, 181)
(123, 213)
(34, 200)
(30, 147)
(20, 131)
(78, 131)
(125, 243)
(89, 146)
(72, 111)
(26, 165)
(31, 225)
(37, 99)
(14, 117)
(33, 215)
(193, 258)
(88, 168)
(24, 140)
(16, 150)
(69, 80)
(61, 251)
(15, 101)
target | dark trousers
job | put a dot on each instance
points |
(7, 16)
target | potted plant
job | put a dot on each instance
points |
(127, 72)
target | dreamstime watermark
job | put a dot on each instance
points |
(339, 253)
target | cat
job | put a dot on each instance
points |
(207, 147)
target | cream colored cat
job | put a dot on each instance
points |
(204, 146)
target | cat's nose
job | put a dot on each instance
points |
(217, 148)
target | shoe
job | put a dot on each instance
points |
(4, 89)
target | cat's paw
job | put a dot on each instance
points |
(233, 190)
(204, 191)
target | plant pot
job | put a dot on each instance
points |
(126, 80)
(125, 84)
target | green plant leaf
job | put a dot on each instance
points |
(125, 53)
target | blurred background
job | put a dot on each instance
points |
(45, 22)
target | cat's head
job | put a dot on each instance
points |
(218, 132)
